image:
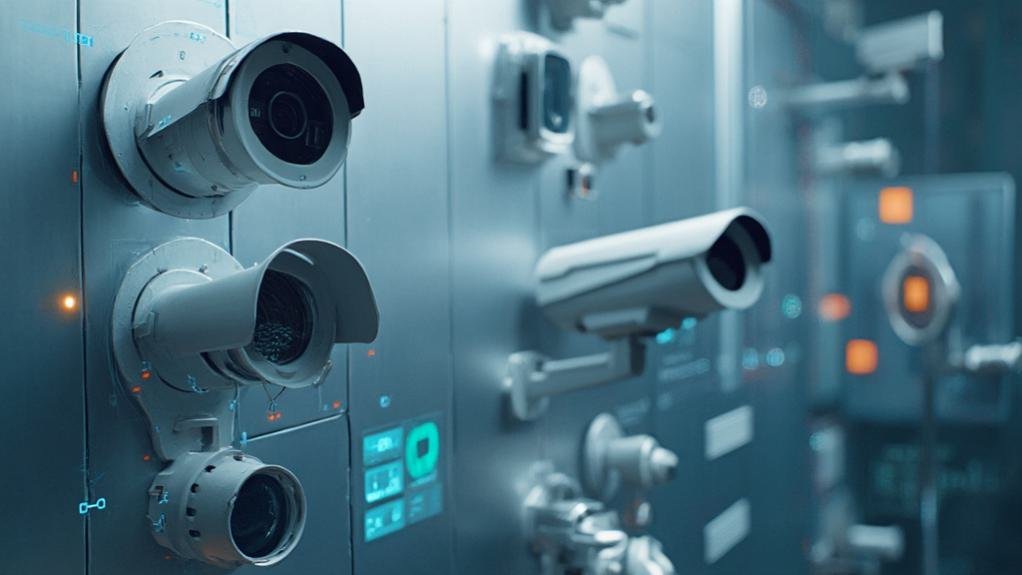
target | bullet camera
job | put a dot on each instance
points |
(625, 287)
(227, 509)
(534, 99)
(199, 321)
(647, 280)
(195, 124)
(564, 12)
(606, 119)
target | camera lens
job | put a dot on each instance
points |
(557, 94)
(287, 115)
(291, 114)
(259, 519)
(284, 319)
(726, 263)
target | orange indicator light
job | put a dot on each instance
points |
(861, 357)
(834, 307)
(915, 294)
(146, 374)
(337, 404)
(371, 353)
(136, 389)
(147, 457)
(69, 302)
(895, 205)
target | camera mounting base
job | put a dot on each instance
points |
(532, 377)
(158, 60)
(179, 419)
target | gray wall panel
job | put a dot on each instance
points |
(398, 226)
(41, 342)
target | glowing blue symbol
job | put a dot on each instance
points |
(85, 506)
(164, 122)
(194, 385)
(689, 323)
(665, 337)
(164, 497)
(244, 438)
(384, 401)
(160, 525)
(750, 359)
(791, 306)
(775, 357)
(233, 405)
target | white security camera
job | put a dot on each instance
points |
(195, 124)
(647, 280)
(606, 119)
(564, 12)
(534, 99)
(201, 322)
(190, 327)
(624, 287)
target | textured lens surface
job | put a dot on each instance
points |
(291, 114)
(259, 520)
(284, 319)
(726, 263)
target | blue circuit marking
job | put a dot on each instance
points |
(160, 525)
(85, 506)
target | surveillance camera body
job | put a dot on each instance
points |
(647, 280)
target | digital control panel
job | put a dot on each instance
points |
(402, 477)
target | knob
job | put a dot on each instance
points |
(610, 457)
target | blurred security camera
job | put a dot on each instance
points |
(564, 12)
(201, 322)
(625, 287)
(606, 119)
(195, 124)
(647, 280)
(534, 99)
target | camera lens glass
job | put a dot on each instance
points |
(284, 319)
(556, 94)
(726, 263)
(291, 114)
(259, 519)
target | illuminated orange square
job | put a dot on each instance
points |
(915, 294)
(861, 357)
(835, 307)
(895, 205)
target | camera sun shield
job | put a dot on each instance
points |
(195, 125)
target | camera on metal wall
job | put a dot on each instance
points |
(534, 99)
(195, 124)
(191, 326)
(628, 286)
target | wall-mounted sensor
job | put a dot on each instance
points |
(227, 509)
(920, 291)
(199, 321)
(533, 98)
(606, 119)
(564, 12)
(195, 124)
(629, 286)
(609, 457)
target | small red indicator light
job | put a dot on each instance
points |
(147, 457)
(834, 307)
(136, 389)
(371, 353)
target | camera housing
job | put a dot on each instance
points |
(606, 119)
(195, 125)
(647, 280)
(534, 99)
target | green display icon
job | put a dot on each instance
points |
(422, 449)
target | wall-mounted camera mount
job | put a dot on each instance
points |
(533, 98)
(610, 458)
(191, 326)
(629, 286)
(195, 124)
(606, 119)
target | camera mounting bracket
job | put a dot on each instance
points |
(533, 378)
(158, 60)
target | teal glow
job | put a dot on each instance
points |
(775, 357)
(665, 337)
(385, 519)
(382, 446)
(791, 306)
(384, 481)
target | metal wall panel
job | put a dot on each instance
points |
(44, 478)
(398, 226)
(117, 230)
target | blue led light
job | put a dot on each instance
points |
(665, 337)
(775, 357)
(384, 401)
(750, 359)
(791, 306)
(689, 323)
